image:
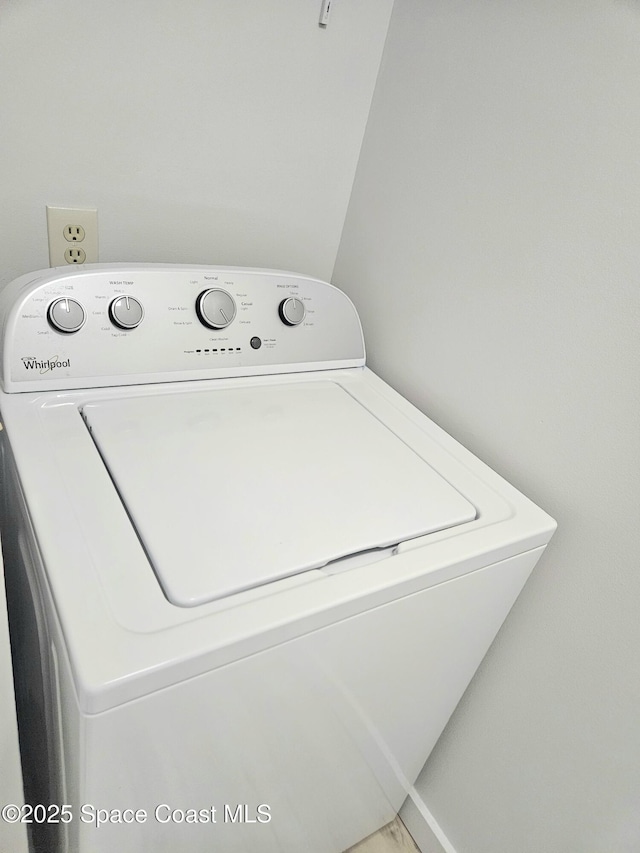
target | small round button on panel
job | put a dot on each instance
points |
(66, 315)
(126, 312)
(216, 308)
(292, 311)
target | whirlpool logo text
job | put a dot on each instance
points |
(54, 363)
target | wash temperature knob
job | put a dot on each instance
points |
(126, 312)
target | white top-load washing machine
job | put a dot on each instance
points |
(259, 580)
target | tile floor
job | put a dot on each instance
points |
(392, 838)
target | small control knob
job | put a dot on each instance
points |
(292, 311)
(66, 315)
(125, 312)
(216, 308)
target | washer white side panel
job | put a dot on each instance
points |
(12, 835)
(328, 730)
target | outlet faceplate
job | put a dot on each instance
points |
(72, 228)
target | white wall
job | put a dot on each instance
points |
(212, 131)
(492, 246)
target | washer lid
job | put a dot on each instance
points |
(232, 488)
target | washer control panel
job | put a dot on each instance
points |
(132, 324)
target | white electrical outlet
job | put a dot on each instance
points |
(73, 236)
(75, 256)
(74, 233)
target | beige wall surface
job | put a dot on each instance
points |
(492, 246)
(205, 131)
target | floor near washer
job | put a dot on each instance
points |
(392, 838)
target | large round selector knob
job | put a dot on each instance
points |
(126, 312)
(292, 311)
(216, 308)
(66, 315)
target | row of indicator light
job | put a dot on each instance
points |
(222, 349)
